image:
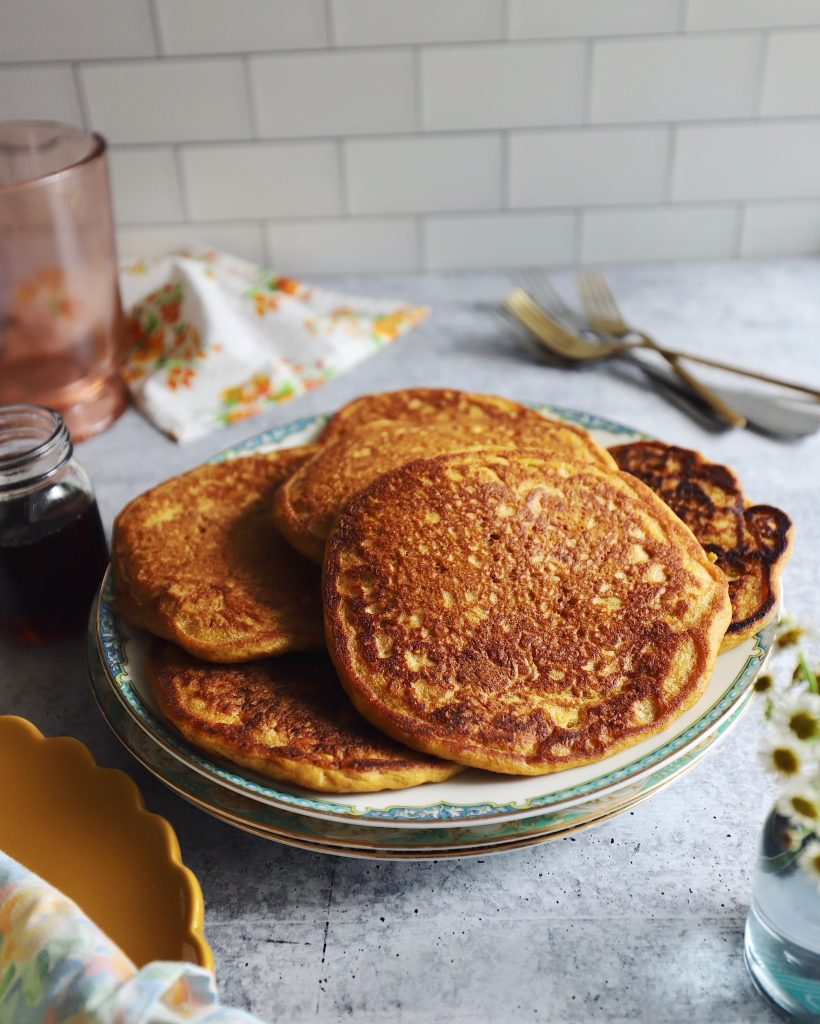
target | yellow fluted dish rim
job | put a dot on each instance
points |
(85, 830)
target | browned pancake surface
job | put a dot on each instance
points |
(752, 543)
(286, 718)
(197, 560)
(519, 614)
(485, 419)
(308, 503)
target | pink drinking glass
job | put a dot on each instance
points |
(60, 312)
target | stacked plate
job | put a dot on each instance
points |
(474, 814)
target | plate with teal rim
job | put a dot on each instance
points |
(473, 797)
(279, 824)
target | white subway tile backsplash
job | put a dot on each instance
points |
(660, 233)
(792, 81)
(426, 173)
(168, 100)
(75, 30)
(477, 241)
(340, 93)
(225, 26)
(370, 22)
(580, 166)
(44, 93)
(145, 242)
(706, 14)
(544, 19)
(230, 182)
(503, 85)
(350, 245)
(747, 161)
(675, 78)
(387, 135)
(144, 186)
(781, 229)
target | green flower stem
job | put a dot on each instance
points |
(810, 677)
(780, 861)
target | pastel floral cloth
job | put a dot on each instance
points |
(213, 339)
(57, 967)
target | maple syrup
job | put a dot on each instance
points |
(53, 551)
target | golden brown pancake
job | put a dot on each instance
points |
(308, 503)
(516, 613)
(286, 718)
(198, 561)
(486, 419)
(751, 543)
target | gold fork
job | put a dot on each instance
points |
(602, 311)
(570, 345)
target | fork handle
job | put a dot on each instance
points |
(741, 370)
(723, 409)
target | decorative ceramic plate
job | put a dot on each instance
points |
(414, 855)
(473, 797)
(277, 823)
(85, 830)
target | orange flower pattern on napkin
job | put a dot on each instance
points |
(212, 339)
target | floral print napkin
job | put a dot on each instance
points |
(212, 339)
(57, 967)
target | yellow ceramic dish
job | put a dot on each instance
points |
(85, 830)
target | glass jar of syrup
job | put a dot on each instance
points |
(53, 551)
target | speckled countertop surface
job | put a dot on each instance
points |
(640, 919)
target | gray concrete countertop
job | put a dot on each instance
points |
(640, 919)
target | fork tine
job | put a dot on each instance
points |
(546, 295)
(603, 298)
(588, 303)
(548, 331)
(510, 324)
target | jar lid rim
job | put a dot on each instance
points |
(57, 443)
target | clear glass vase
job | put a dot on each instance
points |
(783, 926)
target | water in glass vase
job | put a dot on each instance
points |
(783, 928)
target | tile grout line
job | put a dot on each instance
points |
(418, 91)
(431, 215)
(454, 44)
(176, 149)
(671, 156)
(506, 182)
(578, 240)
(765, 46)
(342, 183)
(589, 58)
(268, 246)
(506, 21)
(811, 121)
(739, 229)
(331, 27)
(250, 98)
(82, 99)
(153, 14)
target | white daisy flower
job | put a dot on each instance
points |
(787, 756)
(800, 802)
(791, 633)
(797, 710)
(809, 860)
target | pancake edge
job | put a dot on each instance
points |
(292, 771)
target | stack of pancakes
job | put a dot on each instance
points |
(444, 580)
